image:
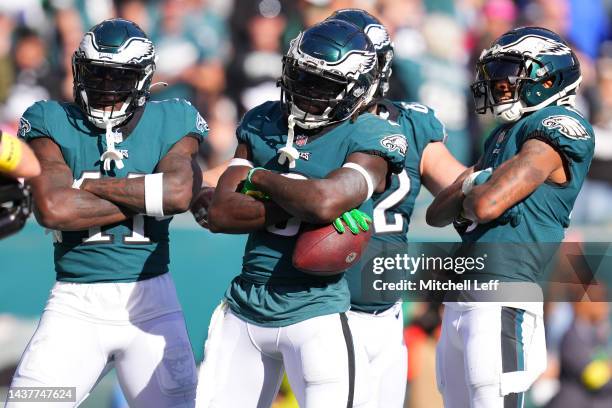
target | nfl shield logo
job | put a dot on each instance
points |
(301, 140)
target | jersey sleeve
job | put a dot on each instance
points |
(195, 124)
(433, 129)
(374, 135)
(32, 124)
(425, 126)
(565, 130)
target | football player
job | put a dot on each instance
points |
(522, 190)
(115, 168)
(309, 158)
(376, 325)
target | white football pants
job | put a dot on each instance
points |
(489, 355)
(243, 363)
(86, 329)
(381, 337)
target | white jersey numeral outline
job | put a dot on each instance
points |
(292, 226)
(380, 220)
(96, 236)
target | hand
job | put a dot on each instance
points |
(513, 215)
(462, 224)
(249, 189)
(355, 219)
(200, 204)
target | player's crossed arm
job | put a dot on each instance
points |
(168, 192)
(514, 180)
(57, 205)
(232, 212)
(448, 203)
(321, 201)
(509, 184)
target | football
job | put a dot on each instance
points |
(321, 250)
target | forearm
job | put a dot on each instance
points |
(237, 213)
(309, 200)
(126, 192)
(177, 191)
(513, 181)
(70, 209)
(448, 203)
(446, 206)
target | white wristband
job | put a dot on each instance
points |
(365, 174)
(154, 194)
(240, 162)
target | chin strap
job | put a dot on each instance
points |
(111, 154)
(288, 152)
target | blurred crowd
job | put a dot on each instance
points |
(225, 57)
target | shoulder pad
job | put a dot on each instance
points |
(33, 122)
(372, 134)
(564, 128)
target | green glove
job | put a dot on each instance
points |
(249, 189)
(355, 219)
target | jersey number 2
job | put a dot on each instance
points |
(381, 226)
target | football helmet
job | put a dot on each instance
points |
(524, 70)
(112, 68)
(15, 206)
(329, 73)
(378, 34)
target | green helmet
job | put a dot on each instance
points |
(329, 73)
(532, 64)
(113, 67)
(378, 34)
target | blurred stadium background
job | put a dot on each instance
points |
(225, 57)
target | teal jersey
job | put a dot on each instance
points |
(270, 291)
(546, 211)
(137, 248)
(393, 208)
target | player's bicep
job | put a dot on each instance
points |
(50, 187)
(360, 176)
(532, 166)
(376, 167)
(55, 173)
(179, 156)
